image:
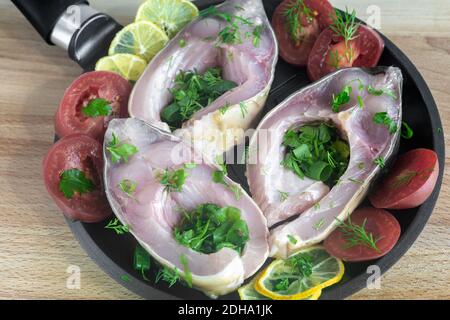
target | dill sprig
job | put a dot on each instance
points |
(357, 235)
(345, 25)
(293, 14)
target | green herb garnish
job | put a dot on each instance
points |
(384, 119)
(182, 43)
(300, 265)
(173, 181)
(120, 151)
(171, 276)
(187, 270)
(97, 108)
(292, 239)
(407, 132)
(283, 196)
(379, 92)
(231, 33)
(294, 13)
(243, 108)
(117, 226)
(209, 228)
(380, 162)
(127, 186)
(341, 98)
(218, 176)
(141, 261)
(74, 180)
(192, 92)
(318, 225)
(334, 59)
(317, 152)
(345, 25)
(357, 235)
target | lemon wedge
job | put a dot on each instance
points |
(302, 275)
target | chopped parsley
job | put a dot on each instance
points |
(383, 118)
(120, 151)
(74, 181)
(341, 98)
(192, 92)
(97, 108)
(173, 180)
(209, 228)
(317, 152)
(300, 265)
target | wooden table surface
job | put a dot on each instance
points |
(37, 247)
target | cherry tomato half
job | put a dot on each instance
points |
(85, 154)
(317, 16)
(109, 86)
(410, 182)
(383, 226)
(330, 53)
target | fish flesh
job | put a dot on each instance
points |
(152, 212)
(319, 209)
(250, 63)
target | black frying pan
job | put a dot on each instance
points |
(89, 40)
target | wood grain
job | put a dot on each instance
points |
(37, 247)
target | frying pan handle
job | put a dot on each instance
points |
(72, 25)
(44, 14)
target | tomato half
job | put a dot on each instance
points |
(113, 88)
(410, 182)
(295, 50)
(383, 226)
(330, 52)
(83, 153)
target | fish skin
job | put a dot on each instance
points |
(252, 68)
(367, 141)
(152, 213)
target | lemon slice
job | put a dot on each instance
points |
(170, 15)
(143, 39)
(248, 292)
(127, 65)
(300, 276)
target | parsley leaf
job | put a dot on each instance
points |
(209, 228)
(127, 186)
(74, 180)
(384, 119)
(292, 239)
(192, 92)
(120, 151)
(97, 108)
(316, 151)
(341, 98)
(173, 181)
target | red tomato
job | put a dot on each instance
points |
(297, 52)
(85, 154)
(330, 53)
(410, 182)
(380, 223)
(70, 119)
